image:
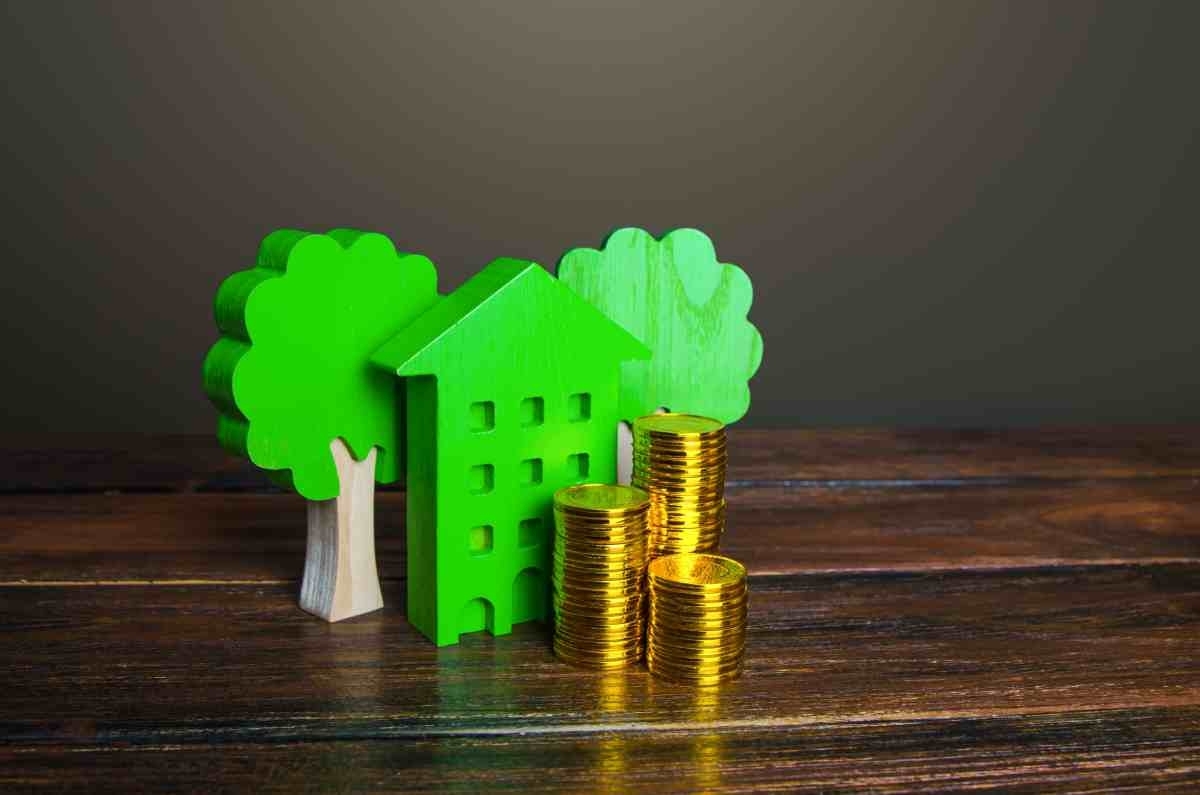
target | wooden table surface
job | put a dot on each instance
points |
(930, 609)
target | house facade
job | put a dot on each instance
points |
(512, 386)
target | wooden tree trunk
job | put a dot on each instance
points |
(340, 578)
(624, 453)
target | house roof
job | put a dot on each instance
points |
(525, 289)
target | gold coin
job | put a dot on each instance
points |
(681, 606)
(697, 570)
(696, 617)
(598, 661)
(677, 615)
(686, 636)
(600, 498)
(692, 674)
(656, 470)
(669, 450)
(679, 454)
(686, 617)
(657, 656)
(674, 424)
(679, 460)
(598, 574)
(584, 598)
(582, 639)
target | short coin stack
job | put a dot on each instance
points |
(696, 630)
(599, 574)
(679, 459)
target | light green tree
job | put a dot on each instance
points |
(686, 307)
(297, 395)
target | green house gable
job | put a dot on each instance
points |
(512, 387)
(509, 301)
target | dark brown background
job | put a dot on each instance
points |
(954, 213)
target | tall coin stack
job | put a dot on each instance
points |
(679, 459)
(599, 574)
(696, 630)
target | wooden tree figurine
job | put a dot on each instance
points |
(511, 394)
(689, 309)
(297, 395)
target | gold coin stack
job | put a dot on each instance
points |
(599, 574)
(696, 630)
(679, 459)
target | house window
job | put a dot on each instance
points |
(533, 411)
(479, 539)
(579, 407)
(578, 465)
(481, 478)
(483, 416)
(531, 532)
(531, 471)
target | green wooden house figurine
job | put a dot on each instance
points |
(511, 387)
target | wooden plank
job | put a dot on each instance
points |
(899, 454)
(90, 463)
(136, 462)
(261, 537)
(788, 530)
(170, 665)
(890, 454)
(1069, 751)
(174, 537)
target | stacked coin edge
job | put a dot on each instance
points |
(696, 629)
(679, 460)
(598, 574)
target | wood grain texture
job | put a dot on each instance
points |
(930, 610)
(195, 537)
(341, 579)
(1107, 750)
(899, 455)
(687, 307)
(170, 463)
(773, 529)
(244, 664)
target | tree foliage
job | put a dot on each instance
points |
(688, 308)
(291, 371)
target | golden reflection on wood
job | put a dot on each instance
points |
(613, 749)
(707, 748)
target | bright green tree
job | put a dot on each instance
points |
(689, 309)
(292, 379)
